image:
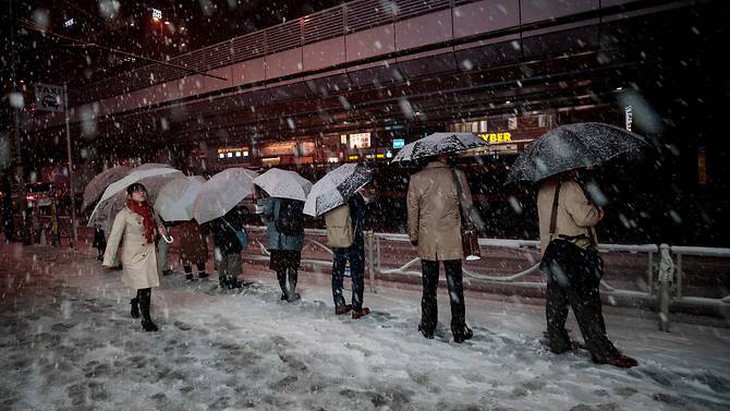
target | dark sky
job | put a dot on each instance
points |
(63, 52)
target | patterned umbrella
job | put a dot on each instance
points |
(336, 187)
(438, 143)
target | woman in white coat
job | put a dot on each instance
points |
(136, 227)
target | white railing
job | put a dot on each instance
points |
(662, 287)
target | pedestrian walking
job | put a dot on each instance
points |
(230, 238)
(573, 268)
(135, 228)
(285, 234)
(345, 236)
(434, 223)
(193, 249)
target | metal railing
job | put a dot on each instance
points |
(659, 285)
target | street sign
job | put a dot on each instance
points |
(49, 98)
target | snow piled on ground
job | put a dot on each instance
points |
(68, 343)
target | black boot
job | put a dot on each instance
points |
(145, 297)
(281, 277)
(189, 277)
(291, 293)
(135, 307)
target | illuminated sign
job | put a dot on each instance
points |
(156, 14)
(230, 152)
(399, 142)
(353, 157)
(360, 140)
(496, 138)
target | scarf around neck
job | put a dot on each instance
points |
(145, 211)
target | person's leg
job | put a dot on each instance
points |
(145, 302)
(134, 302)
(292, 266)
(429, 305)
(357, 268)
(586, 303)
(339, 256)
(234, 269)
(201, 270)
(188, 272)
(454, 280)
(556, 314)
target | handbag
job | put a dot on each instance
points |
(241, 235)
(469, 236)
(563, 261)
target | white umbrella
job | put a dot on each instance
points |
(100, 182)
(115, 196)
(222, 193)
(336, 187)
(175, 200)
(438, 143)
(284, 184)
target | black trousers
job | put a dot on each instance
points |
(584, 297)
(429, 305)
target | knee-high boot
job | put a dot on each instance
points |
(281, 277)
(145, 299)
(292, 294)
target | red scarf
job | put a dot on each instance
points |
(145, 211)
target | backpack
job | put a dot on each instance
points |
(291, 218)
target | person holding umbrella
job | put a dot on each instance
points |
(574, 268)
(345, 235)
(337, 196)
(228, 247)
(434, 222)
(284, 219)
(567, 218)
(136, 227)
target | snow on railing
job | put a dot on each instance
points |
(664, 279)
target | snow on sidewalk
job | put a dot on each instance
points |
(68, 343)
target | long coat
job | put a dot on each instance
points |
(434, 218)
(576, 215)
(193, 246)
(138, 257)
(275, 239)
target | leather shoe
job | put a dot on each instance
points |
(422, 330)
(467, 334)
(624, 362)
(149, 326)
(343, 309)
(360, 313)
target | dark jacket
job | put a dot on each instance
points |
(224, 232)
(277, 240)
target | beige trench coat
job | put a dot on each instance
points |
(576, 214)
(434, 218)
(339, 227)
(138, 257)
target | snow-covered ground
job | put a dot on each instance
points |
(68, 343)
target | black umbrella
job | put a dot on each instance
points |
(573, 146)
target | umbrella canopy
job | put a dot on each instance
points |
(175, 200)
(336, 187)
(438, 143)
(222, 193)
(115, 196)
(284, 184)
(570, 147)
(100, 182)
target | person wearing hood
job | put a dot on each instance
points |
(135, 228)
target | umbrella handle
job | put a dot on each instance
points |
(167, 240)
